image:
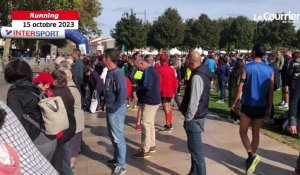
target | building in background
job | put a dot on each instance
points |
(100, 44)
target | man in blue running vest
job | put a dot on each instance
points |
(257, 84)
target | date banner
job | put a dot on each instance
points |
(46, 20)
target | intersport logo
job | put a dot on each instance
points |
(284, 17)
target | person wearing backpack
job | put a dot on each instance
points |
(43, 81)
(29, 160)
(22, 100)
(61, 89)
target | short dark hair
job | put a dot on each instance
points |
(3, 114)
(272, 55)
(17, 70)
(60, 77)
(259, 50)
(296, 54)
(147, 58)
(112, 54)
(77, 51)
(86, 69)
(93, 59)
(135, 54)
(224, 59)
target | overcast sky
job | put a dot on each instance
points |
(113, 9)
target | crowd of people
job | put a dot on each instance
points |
(114, 83)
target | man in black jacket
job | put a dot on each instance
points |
(294, 116)
(194, 107)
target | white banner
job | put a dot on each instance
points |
(45, 24)
(53, 51)
(82, 48)
(10, 32)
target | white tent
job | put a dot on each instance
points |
(199, 50)
(145, 52)
(205, 52)
(175, 51)
(154, 52)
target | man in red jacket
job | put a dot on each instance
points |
(168, 87)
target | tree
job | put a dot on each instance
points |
(5, 10)
(276, 33)
(88, 11)
(167, 31)
(189, 40)
(202, 32)
(242, 31)
(225, 33)
(130, 32)
(297, 41)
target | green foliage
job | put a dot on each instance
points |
(190, 41)
(167, 31)
(208, 32)
(242, 30)
(5, 11)
(88, 11)
(297, 41)
(202, 32)
(130, 32)
(225, 33)
(276, 33)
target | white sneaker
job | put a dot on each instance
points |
(282, 103)
(286, 106)
(220, 101)
(236, 122)
(230, 120)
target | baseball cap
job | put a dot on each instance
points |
(43, 77)
(163, 57)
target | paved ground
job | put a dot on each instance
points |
(223, 150)
(224, 153)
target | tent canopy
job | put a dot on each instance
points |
(175, 51)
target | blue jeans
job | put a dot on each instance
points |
(222, 86)
(193, 131)
(87, 100)
(66, 163)
(115, 127)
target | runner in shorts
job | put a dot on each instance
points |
(168, 87)
(257, 84)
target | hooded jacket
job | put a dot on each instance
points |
(21, 100)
